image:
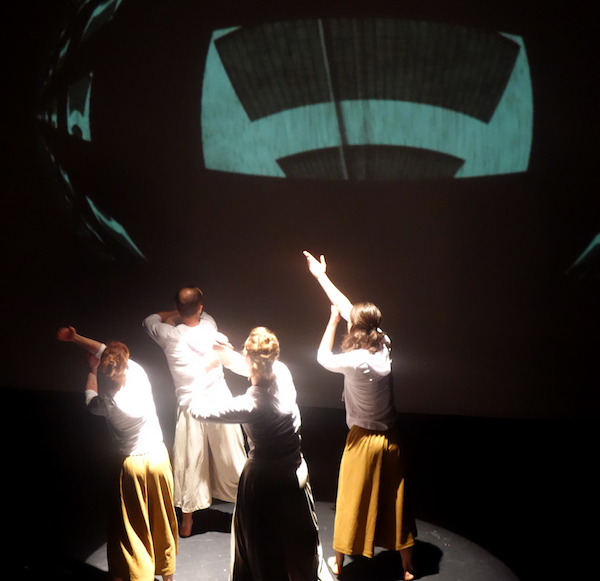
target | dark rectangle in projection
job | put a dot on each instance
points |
(371, 162)
(279, 66)
(275, 66)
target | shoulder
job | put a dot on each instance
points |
(283, 376)
(284, 383)
(158, 329)
(207, 320)
(347, 362)
(151, 320)
(380, 361)
(280, 368)
(136, 373)
(355, 356)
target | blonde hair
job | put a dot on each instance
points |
(113, 363)
(262, 349)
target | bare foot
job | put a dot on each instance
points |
(185, 528)
(333, 566)
(407, 564)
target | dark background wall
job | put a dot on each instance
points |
(469, 273)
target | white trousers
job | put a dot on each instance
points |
(208, 459)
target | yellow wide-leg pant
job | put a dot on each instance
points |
(143, 532)
(370, 505)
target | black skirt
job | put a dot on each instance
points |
(275, 526)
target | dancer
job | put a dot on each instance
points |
(370, 508)
(142, 538)
(207, 458)
(275, 530)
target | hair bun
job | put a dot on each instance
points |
(262, 348)
(114, 360)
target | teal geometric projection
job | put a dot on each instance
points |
(78, 108)
(588, 263)
(114, 229)
(101, 15)
(366, 99)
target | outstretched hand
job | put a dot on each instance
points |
(66, 334)
(317, 267)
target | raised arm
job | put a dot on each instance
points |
(329, 334)
(318, 268)
(170, 317)
(92, 380)
(94, 349)
(70, 335)
(160, 326)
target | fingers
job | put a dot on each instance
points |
(65, 333)
(313, 261)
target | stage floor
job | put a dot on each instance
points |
(518, 492)
(439, 554)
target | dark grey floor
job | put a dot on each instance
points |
(439, 554)
(518, 492)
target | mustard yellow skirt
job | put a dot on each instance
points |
(142, 538)
(370, 507)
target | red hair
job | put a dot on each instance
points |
(113, 363)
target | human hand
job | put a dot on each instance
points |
(66, 334)
(93, 361)
(173, 320)
(317, 267)
(212, 361)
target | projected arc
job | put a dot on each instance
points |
(375, 162)
(274, 92)
(280, 65)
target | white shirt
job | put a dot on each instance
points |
(187, 350)
(131, 413)
(270, 416)
(368, 388)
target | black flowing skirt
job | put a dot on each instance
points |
(275, 526)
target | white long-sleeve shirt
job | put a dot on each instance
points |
(131, 413)
(270, 417)
(187, 350)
